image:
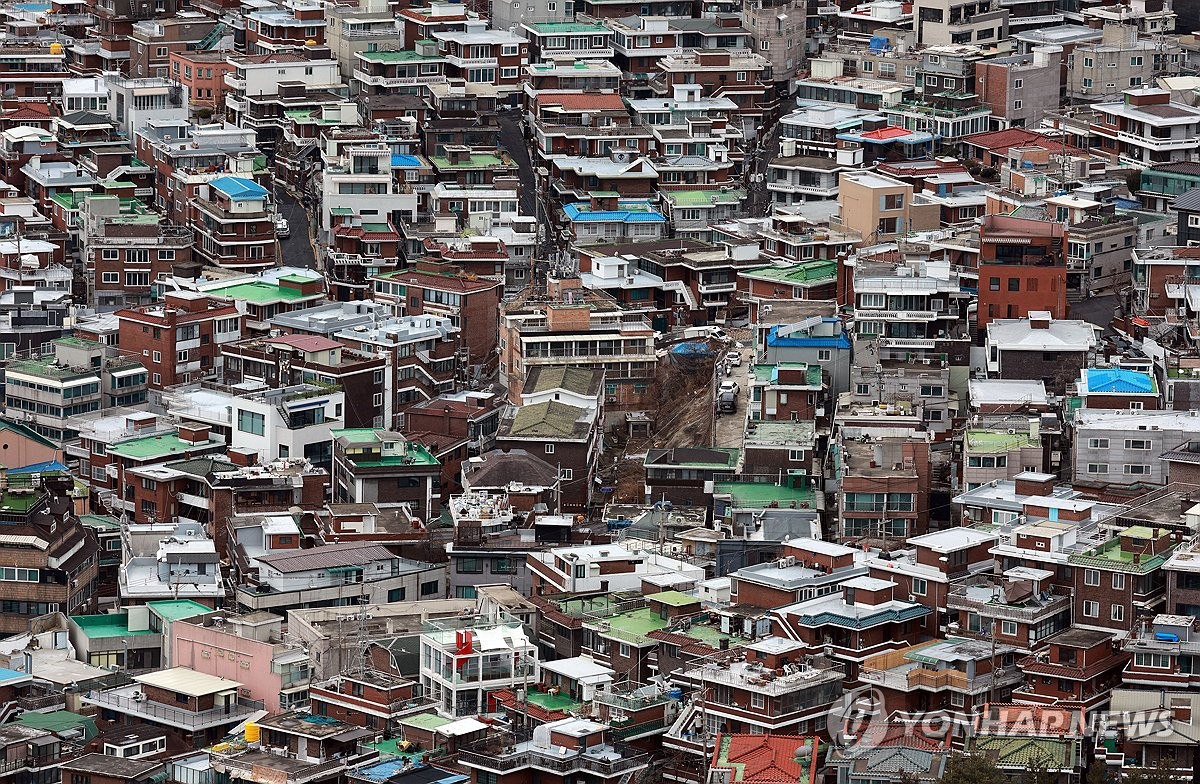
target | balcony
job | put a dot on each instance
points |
(1187, 142)
(197, 501)
(605, 761)
(982, 599)
(263, 767)
(472, 62)
(122, 701)
(398, 81)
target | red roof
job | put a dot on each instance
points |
(583, 101)
(890, 132)
(768, 758)
(306, 342)
(999, 142)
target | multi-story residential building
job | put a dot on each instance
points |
(952, 22)
(124, 252)
(462, 662)
(81, 376)
(550, 41)
(288, 360)
(1039, 348)
(883, 485)
(570, 750)
(1021, 89)
(263, 86)
(957, 675)
(879, 208)
(154, 41)
(1117, 448)
(202, 75)
(375, 466)
(1023, 264)
(180, 339)
(577, 327)
(568, 435)
(743, 77)
(386, 72)
(485, 56)
(1101, 70)
(56, 570)
(1074, 666)
(232, 224)
(203, 708)
(336, 574)
(422, 355)
(1145, 128)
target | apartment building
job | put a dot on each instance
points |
(883, 485)
(1103, 70)
(1039, 348)
(202, 75)
(1021, 89)
(179, 340)
(879, 208)
(1022, 269)
(577, 327)
(1145, 127)
(463, 662)
(377, 466)
(953, 22)
(233, 227)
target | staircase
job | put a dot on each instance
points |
(213, 38)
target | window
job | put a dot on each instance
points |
(149, 484)
(957, 699)
(110, 254)
(429, 588)
(1091, 577)
(1134, 62)
(1137, 469)
(1117, 612)
(377, 399)
(1159, 660)
(741, 76)
(862, 389)
(824, 355)
(892, 201)
(757, 701)
(1118, 581)
(110, 277)
(1008, 628)
(919, 586)
(1137, 443)
(624, 650)
(932, 390)
(932, 81)
(1091, 609)
(566, 474)
(157, 356)
(1088, 62)
(1097, 443)
(549, 449)
(470, 566)
(993, 284)
(1136, 406)
(166, 255)
(1014, 284)
(1018, 84)
(1097, 468)
(1018, 104)
(251, 422)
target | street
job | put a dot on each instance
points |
(297, 249)
(1096, 310)
(513, 142)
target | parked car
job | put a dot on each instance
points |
(729, 386)
(733, 358)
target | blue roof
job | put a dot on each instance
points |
(841, 340)
(239, 188)
(405, 162)
(10, 675)
(582, 212)
(49, 465)
(385, 770)
(1119, 381)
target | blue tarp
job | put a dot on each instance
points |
(50, 465)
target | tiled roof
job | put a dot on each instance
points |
(551, 419)
(1189, 200)
(581, 381)
(329, 556)
(583, 101)
(1119, 381)
(768, 758)
(306, 342)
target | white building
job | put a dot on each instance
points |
(461, 663)
(169, 561)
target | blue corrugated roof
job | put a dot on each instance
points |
(833, 341)
(582, 213)
(239, 188)
(49, 465)
(405, 162)
(1119, 381)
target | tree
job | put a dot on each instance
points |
(972, 769)
(1097, 773)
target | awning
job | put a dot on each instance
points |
(128, 372)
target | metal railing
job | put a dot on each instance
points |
(182, 718)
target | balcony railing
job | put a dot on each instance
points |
(546, 759)
(192, 720)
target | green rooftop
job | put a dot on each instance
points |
(129, 205)
(365, 448)
(673, 598)
(579, 607)
(376, 228)
(178, 609)
(157, 446)
(59, 721)
(991, 441)
(635, 626)
(391, 748)
(1026, 752)
(552, 702)
(678, 457)
(555, 28)
(1110, 555)
(262, 293)
(769, 374)
(398, 56)
(100, 522)
(424, 721)
(820, 270)
(476, 160)
(95, 627)
(704, 198)
(44, 367)
(762, 495)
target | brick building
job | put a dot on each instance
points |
(1022, 268)
(180, 339)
